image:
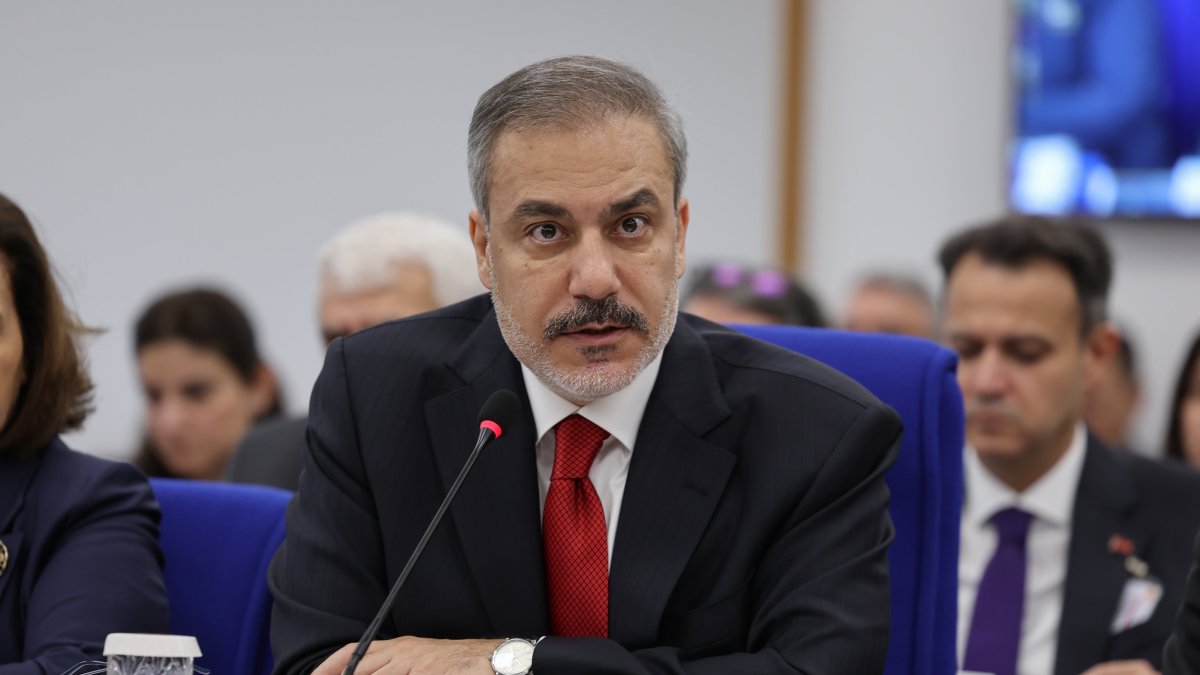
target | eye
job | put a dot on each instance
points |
(197, 391)
(966, 348)
(632, 226)
(1027, 351)
(546, 232)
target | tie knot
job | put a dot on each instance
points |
(576, 442)
(1012, 524)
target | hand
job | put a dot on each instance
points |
(1122, 668)
(416, 656)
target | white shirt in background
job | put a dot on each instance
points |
(1051, 500)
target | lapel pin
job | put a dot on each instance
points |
(1120, 545)
(1123, 546)
(3, 557)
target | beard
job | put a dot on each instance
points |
(601, 375)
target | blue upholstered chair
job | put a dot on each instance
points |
(916, 378)
(217, 539)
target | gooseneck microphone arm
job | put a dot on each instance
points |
(501, 408)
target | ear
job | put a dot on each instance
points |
(681, 226)
(1100, 349)
(263, 389)
(479, 239)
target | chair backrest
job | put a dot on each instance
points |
(916, 378)
(217, 540)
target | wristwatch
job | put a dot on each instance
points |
(514, 656)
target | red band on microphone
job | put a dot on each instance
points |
(488, 424)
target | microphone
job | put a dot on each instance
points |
(500, 410)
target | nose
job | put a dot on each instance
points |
(168, 416)
(986, 376)
(593, 267)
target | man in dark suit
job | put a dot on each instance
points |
(1073, 554)
(1182, 655)
(711, 504)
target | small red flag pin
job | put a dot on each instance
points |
(1123, 546)
(1120, 545)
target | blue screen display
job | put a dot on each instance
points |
(1107, 118)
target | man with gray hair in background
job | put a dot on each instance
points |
(671, 496)
(888, 302)
(391, 266)
(384, 267)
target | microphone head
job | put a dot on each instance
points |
(501, 410)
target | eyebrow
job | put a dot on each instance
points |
(537, 209)
(643, 197)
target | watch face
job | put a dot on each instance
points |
(513, 657)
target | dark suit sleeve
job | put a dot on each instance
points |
(820, 596)
(1182, 654)
(270, 454)
(324, 579)
(103, 575)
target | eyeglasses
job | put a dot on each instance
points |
(765, 283)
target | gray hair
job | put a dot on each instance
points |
(568, 92)
(361, 257)
(896, 282)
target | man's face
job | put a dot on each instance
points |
(876, 309)
(1023, 368)
(409, 292)
(584, 252)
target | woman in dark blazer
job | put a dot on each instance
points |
(79, 556)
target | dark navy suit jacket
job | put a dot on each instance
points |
(1156, 507)
(1182, 655)
(83, 559)
(753, 530)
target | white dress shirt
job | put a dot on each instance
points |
(620, 414)
(1051, 501)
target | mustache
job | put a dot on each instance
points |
(587, 312)
(976, 407)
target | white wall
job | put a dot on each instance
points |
(908, 120)
(159, 144)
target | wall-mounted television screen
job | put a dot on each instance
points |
(1107, 108)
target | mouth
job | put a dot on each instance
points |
(990, 420)
(594, 334)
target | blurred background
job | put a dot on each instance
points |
(158, 145)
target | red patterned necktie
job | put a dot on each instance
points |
(574, 534)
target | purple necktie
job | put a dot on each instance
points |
(995, 638)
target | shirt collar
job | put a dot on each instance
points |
(619, 413)
(1050, 499)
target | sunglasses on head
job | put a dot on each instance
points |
(765, 283)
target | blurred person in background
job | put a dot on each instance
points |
(1182, 655)
(1183, 429)
(79, 554)
(730, 293)
(890, 303)
(204, 382)
(1112, 405)
(1073, 554)
(391, 266)
(381, 268)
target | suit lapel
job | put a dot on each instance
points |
(496, 512)
(1104, 504)
(15, 475)
(675, 480)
